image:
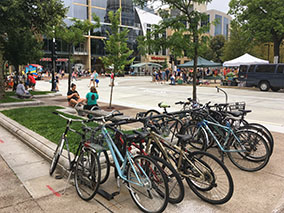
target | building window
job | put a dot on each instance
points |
(81, 1)
(218, 27)
(80, 12)
(99, 3)
(226, 28)
(102, 14)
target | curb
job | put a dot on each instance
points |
(35, 141)
(49, 95)
(18, 104)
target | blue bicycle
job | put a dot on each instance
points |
(144, 178)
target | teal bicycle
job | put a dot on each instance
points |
(143, 177)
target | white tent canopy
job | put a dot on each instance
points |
(244, 60)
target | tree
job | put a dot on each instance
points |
(188, 36)
(74, 35)
(216, 45)
(22, 24)
(262, 19)
(118, 53)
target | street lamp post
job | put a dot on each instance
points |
(53, 56)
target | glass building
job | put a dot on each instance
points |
(89, 52)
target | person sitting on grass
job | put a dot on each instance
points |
(73, 96)
(21, 92)
(91, 98)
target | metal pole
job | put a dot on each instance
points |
(53, 65)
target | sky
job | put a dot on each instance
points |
(222, 5)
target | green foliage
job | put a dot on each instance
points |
(187, 35)
(216, 45)
(240, 42)
(22, 24)
(116, 47)
(262, 19)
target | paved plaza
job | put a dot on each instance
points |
(27, 187)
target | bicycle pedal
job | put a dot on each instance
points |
(58, 177)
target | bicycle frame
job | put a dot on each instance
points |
(228, 130)
(162, 143)
(128, 158)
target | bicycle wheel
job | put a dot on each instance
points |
(176, 187)
(87, 174)
(153, 195)
(215, 184)
(173, 127)
(198, 136)
(151, 113)
(264, 132)
(250, 153)
(105, 166)
(56, 155)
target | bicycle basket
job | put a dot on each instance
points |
(237, 106)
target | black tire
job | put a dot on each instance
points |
(56, 155)
(263, 132)
(174, 127)
(264, 86)
(105, 166)
(257, 152)
(87, 174)
(151, 113)
(199, 138)
(176, 187)
(275, 89)
(154, 195)
(217, 186)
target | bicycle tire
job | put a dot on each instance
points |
(251, 160)
(87, 174)
(155, 185)
(266, 133)
(176, 187)
(56, 156)
(174, 127)
(199, 138)
(105, 166)
(217, 178)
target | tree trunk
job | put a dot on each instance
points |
(16, 79)
(2, 87)
(111, 92)
(277, 43)
(194, 90)
(69, 67)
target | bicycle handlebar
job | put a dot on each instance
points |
(105, 117)
(67, 118)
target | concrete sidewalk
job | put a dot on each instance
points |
(26, 186)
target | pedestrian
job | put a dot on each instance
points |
(21, 92)
(111, 79)
(96, 80)
(167, 73)
(31, 80)
(56, 83)
(73, 96)
(62, 74)
(92, 76)
(172, 78)
(91, 98)
(163, 77)
(74, 76)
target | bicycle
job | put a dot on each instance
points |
(144, 178)
(176, 187)
(203, 172)
(85, 164)
(246, 149)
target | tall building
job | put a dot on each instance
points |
(88, 53)
(222, 26)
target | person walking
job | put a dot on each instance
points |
(92, 76)
(32, 81)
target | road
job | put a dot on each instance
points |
(267, 107)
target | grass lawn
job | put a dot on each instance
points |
(42, 121)
(9, 99)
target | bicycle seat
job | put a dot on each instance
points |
(163, 105)
(183, 138)
(235, 113)
(141, 134)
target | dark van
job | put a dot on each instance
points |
(263, 76)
